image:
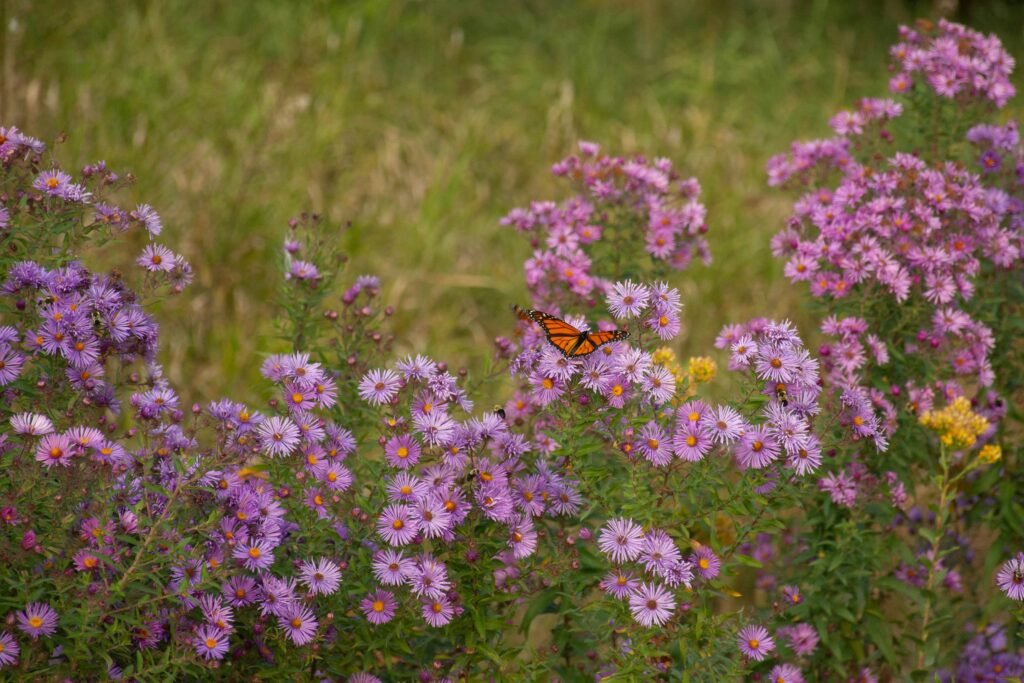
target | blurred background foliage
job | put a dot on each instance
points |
(422, 123)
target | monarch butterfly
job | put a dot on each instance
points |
(570, 342)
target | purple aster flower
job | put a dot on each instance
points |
(315, 501)
(706, 562)
(802, 638)
(522, 537)
(402, 451)
(85, 560)
(744, 351)
(11, 363)
(150, 219)
(665, 323)
(240, 591)
(691, 442)
(363, 677)
(565, 499)
(546, 388)
(392, 568)
(627, 299)
(336, 477)
(216, 612)
(157, 258)
(792, 595)
(31, 424)
(724, 423)
(419, 368)
(654, 445)
(302, 270)
(53, 182)
(430, 578)
(210, 642)
(677, 573)
(255, 555)
(54, 449)
(9, 649)
(757, 449)
(785, 673)
(38, 619)
(278, 594)
(298, 623)
(659, 384)
(807, 458)
(431, 516)
(379, 607)
(620, 584)
(438, 611)
(651, 605)
(659, 551)
(776, 364)
(321, 576)
(278, 436)
(841, 488)
(754, 642)
(622, 539)
(379, 386)
(397, 525)
(1010, 578)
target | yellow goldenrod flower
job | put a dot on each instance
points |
(664, 356)
(989, 454)
(702, 369)
(957, 425)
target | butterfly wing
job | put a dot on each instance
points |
(596, 340)
(560, 334)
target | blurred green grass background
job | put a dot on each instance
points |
(422, 123)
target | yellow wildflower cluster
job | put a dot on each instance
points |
(956, 424)
(702, 369)
(990, 454)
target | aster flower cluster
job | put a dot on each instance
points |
(774, 356)
(449, 473)
(619, 202)
(659, 559)
(988, 656)
(77, 318)
(955, 62)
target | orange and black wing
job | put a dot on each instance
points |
(596, 340)
(520, 313)
(560, 334)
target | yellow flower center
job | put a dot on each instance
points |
(254, 553)
(378, 605)
(403, 452)
(35, 622)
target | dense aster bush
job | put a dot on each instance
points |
(840, 506)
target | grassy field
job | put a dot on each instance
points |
(422, 123)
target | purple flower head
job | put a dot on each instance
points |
(392, 568)
(706, 562)
(402, 451)
(379, 386)
(31, 424)
(754, 642)
(379, 607)
(619, 584)
(785, 673)
(38, 619)
(255, 555)
(9, 649)
(298, 623)
(757, 449)
(622, 539)
(1010, 578)
(210, 642)
(322, 576)
(438, 611)
(397, 525)
(54, 449)
(802, 638)
(627, 299)
(651, 605)
(278, 436)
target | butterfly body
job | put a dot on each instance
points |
(570, 341)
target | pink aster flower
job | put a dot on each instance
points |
(54, 449)
(298, 623)
(402, 451)
(379, 607)
(392, 568)
(38, 619)
(397, 525)
(278, 436)
(31, 424)
(1010, 578)
(438, 611)
(9, 649)
(622, 539)
(706, 562)
(754, 642)
(322, 576)
(379, 386)
(620, 584)
(255, 555)
(652, 605)
(210, 642)
(785, 673)
(627, 299)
